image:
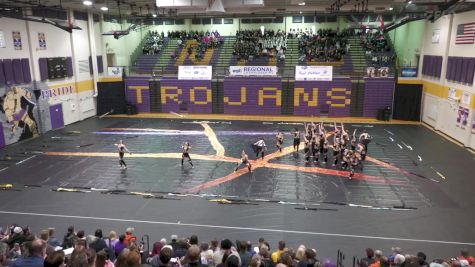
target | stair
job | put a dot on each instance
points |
(357, 55)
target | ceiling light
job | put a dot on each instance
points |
(300, 12)
(390, 8)
(154, 15)
(87, 3)
(410, 2)
(104, 8)
(301, 3)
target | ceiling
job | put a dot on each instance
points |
(189, 8)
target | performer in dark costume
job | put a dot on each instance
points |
(353, 140)
(336, 150)
(259, 147)
(296, 135)
(365, 139)
(243, 161)
(185, 154)
(307, 151)
(279, 139)
(122, 149)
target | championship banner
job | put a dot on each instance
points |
(195, 72)
(115, 71)
(252, 71)
(313, 73)
(409, 72)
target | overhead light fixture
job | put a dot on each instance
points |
(410, 2)
(154, 15)
(301, 3)
(390, 8)
(300, 12)
(87, 3)
(104, 8)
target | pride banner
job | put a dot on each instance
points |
(314, 98)
(253, 95)
(192, 96)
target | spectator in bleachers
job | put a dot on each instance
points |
(366, 262)
(325, 45)
(253, 43)
(133, 258)
(102, 259)
(53, 241)
(69, 238)
(465, 255)
(244, 254)
(44, 235)
(36, 254)
(55, 259)
(120, 245)
(206, 255)
(378, 254)
(421, 257)
(129, 236)
(174, 242)
(98, 242)
(192, 257)
(153, 44)
(112, 240)
(81, 235)
(276, 255)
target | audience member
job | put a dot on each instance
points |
(55, 259)
(36, 254)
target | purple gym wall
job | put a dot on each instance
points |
(194, 96)
(137, 92)
(253, 95)
(378, 94)
(333, 96)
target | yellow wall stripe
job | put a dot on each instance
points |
(84, 86)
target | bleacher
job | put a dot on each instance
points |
(352, 64)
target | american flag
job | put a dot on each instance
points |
(465, 33)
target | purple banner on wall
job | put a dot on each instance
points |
(137, 92)
(313, 98)
(378, 94)
(253, 95)
(193, 96)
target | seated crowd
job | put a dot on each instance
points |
(325, 45)
(205, 41)
(377, 48)
(153, 44)
(252, 43)
(20, 248)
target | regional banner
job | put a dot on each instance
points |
(252, 71)
(313, 73)
(195, 72)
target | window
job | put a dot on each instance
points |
(331, 19)
(195, 21)
(245, 21)
(279, 20)
(169, 22)
(256, 21)
(297, 19)
(309, 19)
(217, 21)
(228, 21)
(267, 20)
(206, 21)
(179, 22)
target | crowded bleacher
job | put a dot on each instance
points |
(377, 48)
(255, 43)
(19, 247)
(324, 45)
(153, 43)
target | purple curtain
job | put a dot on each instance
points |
(465, 61)
(8, 70)
(25, 65)
(2, 74)
(69, 66)
(470, 70)
(17, 71)
(43, 63)
(458, 71)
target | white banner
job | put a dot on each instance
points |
(252, 71)
(115, 71)
(195, 72)
(313, 73)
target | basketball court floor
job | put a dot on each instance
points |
(415, 190)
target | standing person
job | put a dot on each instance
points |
(365, 139)
(122, 149)
(244, 160)
(279, 139)
(336, 150)
(296, 135)
(185, 154)
(259, 147)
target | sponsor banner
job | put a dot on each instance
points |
(252, 71)
(115, 71)
(372, 72)
(313, 73)
(195, 72)
(409, 72)
(42, 40)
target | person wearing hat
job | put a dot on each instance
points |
(16, 236)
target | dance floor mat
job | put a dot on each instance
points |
(406, 166)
